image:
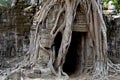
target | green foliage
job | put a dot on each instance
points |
(116, 3)
(5, 3)
(105, 3)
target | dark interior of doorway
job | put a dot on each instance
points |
(73, 57)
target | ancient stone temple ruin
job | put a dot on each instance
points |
(77, 50)
(15, 28)
(57, 44)
(113, 30)
(114, 41)
(14, 31)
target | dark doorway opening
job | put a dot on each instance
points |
(73, 57)
(57, 43)
(72, 65)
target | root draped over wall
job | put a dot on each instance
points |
(58, 16)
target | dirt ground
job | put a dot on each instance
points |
(50, 77)
(29, 75)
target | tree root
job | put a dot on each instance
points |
(63, 23)
(114, 69)
(98, 76)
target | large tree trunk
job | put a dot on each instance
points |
(63, 15)
(58, 16)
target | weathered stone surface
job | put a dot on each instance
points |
(15, 76)
(14, 32)
(114, 42)
(44, 57)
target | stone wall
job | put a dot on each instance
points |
(114, 42)
(14, 30)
